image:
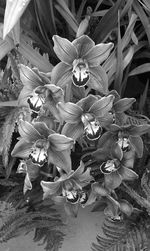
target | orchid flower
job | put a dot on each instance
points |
(87, 116)
(41, 145)
(125, 137)
(117, 169)
(103, 200)
(80, 63)
(38, 92)
(68, 188)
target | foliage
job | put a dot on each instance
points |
(75, 113)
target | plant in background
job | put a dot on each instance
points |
(73, 130)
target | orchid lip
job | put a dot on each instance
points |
(124, 143)
(38, 154)
(72, 196)
(109, 166)
(92, 127)
(35, 102)
(81, 74)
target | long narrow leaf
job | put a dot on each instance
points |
(67, 15)
(143, 98)
(119, 64)
(80, 10)
(5, 47)
(13, 11)
(144, 19)
(140, 69)
(104, 27)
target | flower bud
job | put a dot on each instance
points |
(83, 26)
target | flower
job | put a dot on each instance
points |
(126, 137)
(68, 188)
(41, 145)
(102, 199)
(80, 62)
(117, 169)
(38, 92)
(87, 116)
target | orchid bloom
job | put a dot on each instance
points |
(87, 116)
(38, 92)
(80, 62)
(68, 188)
(118, 168)
(41, 145)
(126, 137)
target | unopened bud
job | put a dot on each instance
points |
(83, 26)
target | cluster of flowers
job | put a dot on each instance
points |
(72, 104)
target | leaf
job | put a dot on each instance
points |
(33, 56)
(144, 19)
(12, 103)
(140, 69)
(143, 98)
(67, 15)
(7, 133)
(119, 64)
(13, 11)
(5, 47)
(104, 27)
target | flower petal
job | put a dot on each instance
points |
(123, 104)
(61, 159)
(102, 106)
(83, 45)
(87, 102)
(98, 79)
(42, 129)
(139, 130)
(70, 112)
(60, 142)
(61, 74)
(82, 176)
(112, 180)
(29, 78)
(64, 49)
(71, 209)
(137, 143)
(22, 149)
(28, 132)
(127, 174)
(50, 188)
(74, 131)
(128, 158)
(98, 54)
(27, 184)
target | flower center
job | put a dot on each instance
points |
(83, 197)
(109, 166)
(80, 72)
(36, 101)
(124, 144)
(71, 196)
(92, 127)
(38, 154)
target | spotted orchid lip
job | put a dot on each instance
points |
(35, 102)
(38, 154)
(81, 74)
(92, 127)
(124, 143)
(109, 166)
